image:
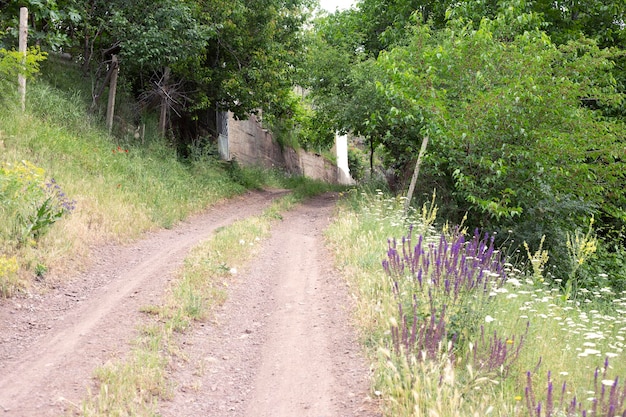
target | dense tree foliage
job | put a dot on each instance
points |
(511, 144)
(208, 54)
(513, 96)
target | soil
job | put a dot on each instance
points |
(282, 345)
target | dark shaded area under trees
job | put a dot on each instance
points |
(196, 56)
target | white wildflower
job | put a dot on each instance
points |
(588, 352)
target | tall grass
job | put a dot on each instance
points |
(454, 329)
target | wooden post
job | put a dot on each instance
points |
(112, 88)
(23, 40)
(416, 172)
(164, 101)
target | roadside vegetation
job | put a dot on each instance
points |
(455, 327)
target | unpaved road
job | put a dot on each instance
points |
(282, 345)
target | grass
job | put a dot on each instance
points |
(131, 387)
(505, 350)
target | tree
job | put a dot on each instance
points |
(384, 23)
(511, 142)
(341, 80)
(228, 55)
(254, 54)
(49, 20)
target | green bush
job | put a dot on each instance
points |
(13, 63)
(30, 203)
(356, 163)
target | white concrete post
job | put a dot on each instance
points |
(343, 171)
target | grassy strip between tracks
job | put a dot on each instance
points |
(134, 385)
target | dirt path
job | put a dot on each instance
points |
(280, 346)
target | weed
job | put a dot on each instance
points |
(40, 270)
(607, 399)
(9, 280)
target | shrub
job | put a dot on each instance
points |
(356, 163)
(13, 63)
(30, 204)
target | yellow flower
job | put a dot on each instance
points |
(8, 266)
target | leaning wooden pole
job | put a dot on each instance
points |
(416, 172)
(23, 41)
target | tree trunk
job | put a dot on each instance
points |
(371, 158)
(164, 102)
(95, 96)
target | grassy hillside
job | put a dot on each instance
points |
(66, 185)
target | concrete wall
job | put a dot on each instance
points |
(317, 167)
(249, 144)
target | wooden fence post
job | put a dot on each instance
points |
(164, 101)
(112, 89)
(23, 40)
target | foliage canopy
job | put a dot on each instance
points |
(520, 138)
(236, 55)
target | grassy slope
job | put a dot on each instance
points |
(119, 192)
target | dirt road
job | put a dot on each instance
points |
(281, 345)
